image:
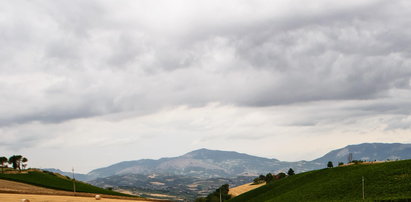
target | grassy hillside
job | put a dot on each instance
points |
(55, 181)
(383, 181)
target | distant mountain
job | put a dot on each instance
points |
(78, 176)
(203, 163)
(206, 163)
(197, 172)
(368, 152)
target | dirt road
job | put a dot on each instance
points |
(52, 198)
(15, 191)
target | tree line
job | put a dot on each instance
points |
(270, 177)
(17, 162)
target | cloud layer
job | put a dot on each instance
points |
(318, 67)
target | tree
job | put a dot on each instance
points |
(291, 172)
(24, 162)
(330, 164)
(224, 191)
(256, 180)
(15, 160)
(3, 160)
(215, 196)
(357, 161)
(260, 179)
(280, 175)
(340, 163)
(269, 177)
(201, 199)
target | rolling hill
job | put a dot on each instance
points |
(383, 181)
(55, 181)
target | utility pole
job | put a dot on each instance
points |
(74, 182)
(220, 194)
(363, 192)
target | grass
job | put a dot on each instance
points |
(56, 181)
(389, 181)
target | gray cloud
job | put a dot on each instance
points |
(64, 60)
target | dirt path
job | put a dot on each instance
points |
(52, 198)
(16, 189)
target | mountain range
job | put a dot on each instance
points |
(206, 163)
(78, 176)
(369, 152)
(201, 171)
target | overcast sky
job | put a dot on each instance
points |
(91, 83)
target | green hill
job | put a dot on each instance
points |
(389, 181)
(55, 181)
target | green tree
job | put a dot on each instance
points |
(224, 191)
(291, 172)
(3, 160)
(340, 163)
(256, 180)
(357, 161)
(260, 179)
(215, 196)
(330, 164)
(269, 177)
(15, 161)
(201, 199)
(24, 162)
(281, 175)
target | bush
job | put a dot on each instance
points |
(357, 161)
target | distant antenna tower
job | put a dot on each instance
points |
(349, 157)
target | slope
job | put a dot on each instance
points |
(383, 181)
(78, 176)
(55, 181)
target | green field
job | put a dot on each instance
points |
(389, 181)
(55, 181)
